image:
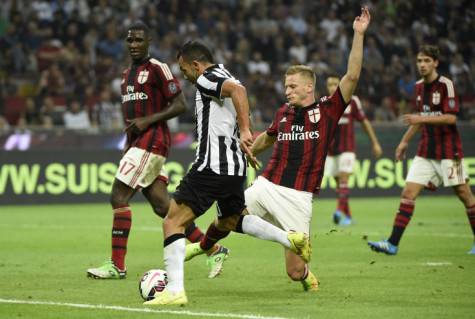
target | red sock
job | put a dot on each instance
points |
(343, 196)
(403, 217)
(213, 235)
(193, 233)
(120, 234)
(471, 217)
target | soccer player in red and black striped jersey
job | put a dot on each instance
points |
(439, 159)
(300, 135)
(341, 155)
(150, 96)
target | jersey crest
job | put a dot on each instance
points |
(143, 76)
(314, 115)
(436, 98)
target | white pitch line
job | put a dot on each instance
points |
(437, 263)
(144, 310)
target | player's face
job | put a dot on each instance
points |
(137, 43)
(426, 65)
(297, 89)
(332, 85)
(189, 70)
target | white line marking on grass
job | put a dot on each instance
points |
(144, 310)
(437, 264)
(62, 227)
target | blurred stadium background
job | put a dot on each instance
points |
(61, 134)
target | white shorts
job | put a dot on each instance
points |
(448, 172)
(284, 207)
(342, 163)
(139, 168)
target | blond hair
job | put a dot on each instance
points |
(304, 70)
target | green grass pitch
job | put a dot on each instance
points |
(45, 251)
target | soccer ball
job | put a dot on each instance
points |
(152, 281)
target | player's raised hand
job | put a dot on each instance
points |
(362, 21)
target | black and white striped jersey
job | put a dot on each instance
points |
(216, 126)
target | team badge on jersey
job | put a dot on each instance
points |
(143, 76)
(452, 103)
(172, 87)
(314, 115)
(435, 98)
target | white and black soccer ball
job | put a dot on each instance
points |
(152, 281)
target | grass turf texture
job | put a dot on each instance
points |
(47, 249)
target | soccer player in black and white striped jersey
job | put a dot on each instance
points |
(218, 173)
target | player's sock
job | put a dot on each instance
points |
(213, 235)
(403, 217)
(343, 197)
(120, 234)
(174, 256)
(471, 217)
(193, 233)
(257, 227)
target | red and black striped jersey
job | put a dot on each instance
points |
(303, 135)
(433, 99)
(147, 88)
(344, 140)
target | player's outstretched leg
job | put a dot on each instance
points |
(383, 246)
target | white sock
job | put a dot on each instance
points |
(174, 258)
(257, 227)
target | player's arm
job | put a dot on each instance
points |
(176, 107)
(262, 142)
(443, 119)
(355, 60)
(402, 147)
(368, 128)
(238, 94)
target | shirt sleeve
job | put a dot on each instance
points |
(210, 85)
(450, 102)
(334, 105)
(167, 83)
(357, 109)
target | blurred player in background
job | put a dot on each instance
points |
(341, 155)
(300, 135)
(439, 159)
(150, 96)
(218, 173)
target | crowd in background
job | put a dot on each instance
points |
(61, 60)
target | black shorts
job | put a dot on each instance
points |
(199, 190)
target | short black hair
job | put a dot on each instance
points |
(195, 51)
(430, 50)
(140, 25)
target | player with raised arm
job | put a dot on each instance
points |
(341, 156)
(150, 96)
(300, 136)
(439, 159)
(218, 173)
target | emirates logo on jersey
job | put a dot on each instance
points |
(435, 98)
(314, 115)
(143, 76)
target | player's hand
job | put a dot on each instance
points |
(362, 21)
(377, 150)
(254, 162)
(411, 119)
(137, 125)
(245, 143)
(401, 151)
